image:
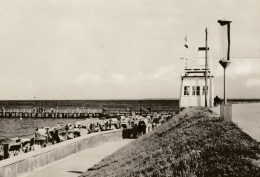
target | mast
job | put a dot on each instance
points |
(206, 68)
(140, 107)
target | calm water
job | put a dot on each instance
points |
(14, 127)
(247, 117)
(92, 104)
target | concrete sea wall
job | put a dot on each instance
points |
(27, 162)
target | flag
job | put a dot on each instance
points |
(225, 39)
(186, 39)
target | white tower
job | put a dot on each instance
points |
(193, 81)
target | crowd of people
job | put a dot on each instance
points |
(136, 126)
(133, 127)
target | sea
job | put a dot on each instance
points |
(16, 127)
(245, 115)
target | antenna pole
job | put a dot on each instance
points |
(206, 68)
(225, 99)
(140, 107)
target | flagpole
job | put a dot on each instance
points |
(225, 109)
(206, 68)
(225, 60)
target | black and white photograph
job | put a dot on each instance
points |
(129, 88)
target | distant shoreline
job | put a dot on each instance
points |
(120, 99)
(134, 99)
(243, 100)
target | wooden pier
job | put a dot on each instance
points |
(49, 115)
(75, 113)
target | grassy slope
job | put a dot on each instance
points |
(193, 143)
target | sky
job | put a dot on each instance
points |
(121, 49)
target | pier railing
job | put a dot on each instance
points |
(75, 113)
(51, 113)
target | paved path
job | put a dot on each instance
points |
(77, 163)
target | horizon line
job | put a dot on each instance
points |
(97, 99)
(114, 99)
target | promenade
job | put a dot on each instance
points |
(74, 165)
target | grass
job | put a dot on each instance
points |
(194, 143)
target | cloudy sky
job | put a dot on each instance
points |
(121, 49)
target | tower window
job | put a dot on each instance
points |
(196, 90)
(186, 90)
(203, 91)
(193, 90)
